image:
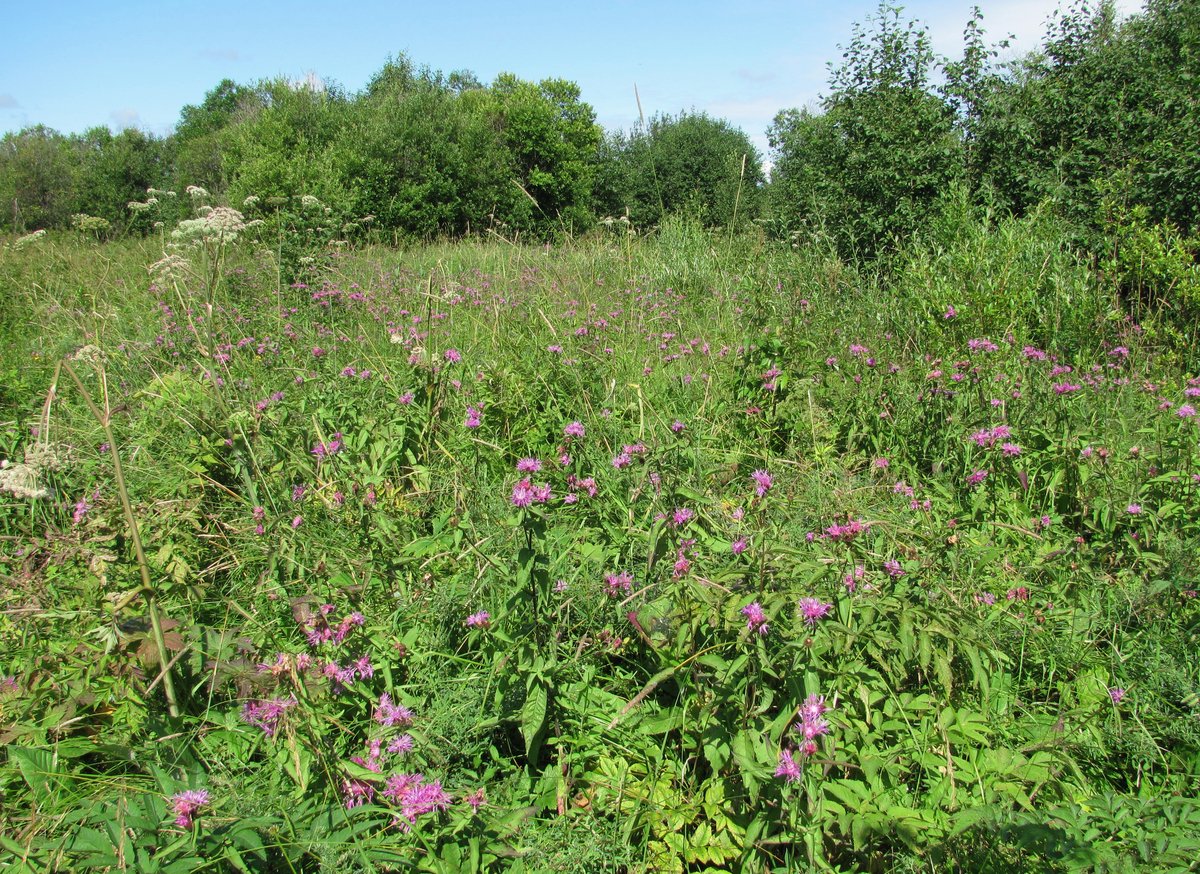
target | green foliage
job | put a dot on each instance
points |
(868, 170)
(552, 137)
(690, 165)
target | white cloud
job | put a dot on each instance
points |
(124, 118)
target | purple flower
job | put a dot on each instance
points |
(739, 546)
(682, 516)
(788, 769)
(185, 804)
(618, 583)
(522, 493)
(482, 619)
(977, 477)
(1116, 693)
(813, 609)
(474, 416)
(762, 482)
(388, 714)
(756, 619)
(414, 796)
(453, 356)
(529, 465)
(678, 426)
(893, 568)
(266, 714)
(1134, 509)
(575, 429)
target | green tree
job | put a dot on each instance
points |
(553, 139)
(37, 179)
(884, 150)
(113, 169)
(689, 163)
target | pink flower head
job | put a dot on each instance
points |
(893, 568)
(813, 609)
(185, 804)
(788, 769)
(522, 493)
(762, 482)
(482, 619)
(388, 714)
(739, 546)
(618, 583)
(453, 356)
(575, 429)
(977, 477)
(682, 516)
(756, 619)
(1134, 509)
(529, 465)
(1116, 693)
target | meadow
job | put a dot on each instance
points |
(678, 551)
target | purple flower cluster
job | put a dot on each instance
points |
(186, 804)
(266, 714)
(811, 726)
(756, 619)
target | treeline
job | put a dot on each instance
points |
(416, 153)
(1099, 127)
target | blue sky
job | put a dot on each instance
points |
(75, 65)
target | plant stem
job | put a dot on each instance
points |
(143, 566)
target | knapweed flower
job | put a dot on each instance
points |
(813, 609)
(762, 482)
(618, 583)
(812, 722)
(414, 796)
(1134, 509)
(522, 493)
(739, 546)
(482, 619)
(977, 477)
(893, 568)
(678, 427)
(266, 714)
(389, 714)
(453, 356)
(575, 429)
(682, 516)
(1116, 693)
(474, 417)
(476, 799)
(756, 619)
(787, 769)
(529, 465)
(185, 804)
